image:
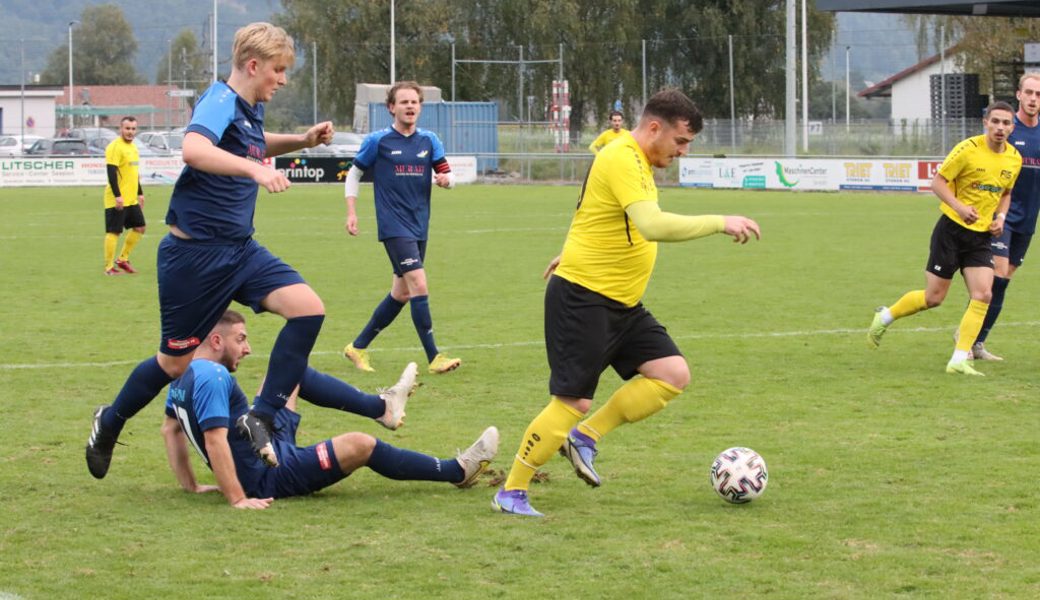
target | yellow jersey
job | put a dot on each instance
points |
(978, 177)
(124, 156)
(604, 251)
(605, 138)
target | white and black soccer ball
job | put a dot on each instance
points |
(739, 475)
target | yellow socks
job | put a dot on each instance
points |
(543, 438)
(634, 401)
(911, 303)
(971, 324)
(111, 240)
(132, 237)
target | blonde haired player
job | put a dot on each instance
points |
(210, 256)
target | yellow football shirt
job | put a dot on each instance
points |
(604, 251)
(978, 177)
(605, 138)
(125, 157)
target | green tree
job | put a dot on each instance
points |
(184, 64)
(103, 46)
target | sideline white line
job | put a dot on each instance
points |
(690, 336)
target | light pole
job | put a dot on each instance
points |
(848, 88)
(72, 94)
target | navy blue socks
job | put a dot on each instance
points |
(145, 382)
(397, 463)
(329, 392)
(382, 317)
(287, 364)
(424, 324)
(1000, 285)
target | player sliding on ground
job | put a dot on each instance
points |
(974, 184)
(593, 314)
(205, 402)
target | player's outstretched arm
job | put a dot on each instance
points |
(200, 153)
(177, 456)
(741, 228)
(223, 466)
(280, 143)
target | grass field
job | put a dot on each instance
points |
(887, 476)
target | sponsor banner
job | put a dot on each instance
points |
(313, 169)
(464, 167)
(883, 174)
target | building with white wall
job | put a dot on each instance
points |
(28, 113)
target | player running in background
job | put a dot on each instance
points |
(210, 258)
(974, 184)
(124, 198)
(594, 316)
(405, 161)
(616, 121)
(1009, 249)
(206, 400)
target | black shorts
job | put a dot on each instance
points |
(955, 247)
(128, 218)
(586, 332)
(405, 254)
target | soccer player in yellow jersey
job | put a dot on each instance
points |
(974, 184)
(124, 198)
(616, 121)
(593, 314)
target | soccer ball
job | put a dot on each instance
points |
(739, 475)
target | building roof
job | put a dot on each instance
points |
(992, 8)
(883, 88)
(121, 95)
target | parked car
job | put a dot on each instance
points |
(93, 133)
(13, 145)
(143, 149)
(163, 142)
(344, 144)
(63, 146)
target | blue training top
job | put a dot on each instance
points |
(211, 207)
(206, 397)
(403, 179)
(1025, 197)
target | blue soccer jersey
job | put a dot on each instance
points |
(402, 169)
(1025, 197)
(220, 207)
(206, 397)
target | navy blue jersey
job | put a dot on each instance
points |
(220, 207)
(402, 172)
(1025, 197)
(206, 397)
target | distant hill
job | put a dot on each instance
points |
(40, 26)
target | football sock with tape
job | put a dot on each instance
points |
(145, 382)
(911, 303)
(996, 304)
(287, 363)
(970, 325)
(398, 463)
(424, 324)
(327, 391)
(543, 438)
(128, 244)
(382, 317)
(111, 241)
(636, 400)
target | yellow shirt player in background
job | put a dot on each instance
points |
(594, 317)
(616, 121)
(974, 184)
(124, 198)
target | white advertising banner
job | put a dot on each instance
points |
(464, 167)
(904, 175)
(90, 170)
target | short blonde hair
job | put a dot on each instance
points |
(1031, 75)
(262, 41)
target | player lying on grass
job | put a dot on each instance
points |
(202, 405)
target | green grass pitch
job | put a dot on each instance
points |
(887, 476)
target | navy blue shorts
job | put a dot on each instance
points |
(1012, 246)
(198, 281)
(405, 254)
(300, 471)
